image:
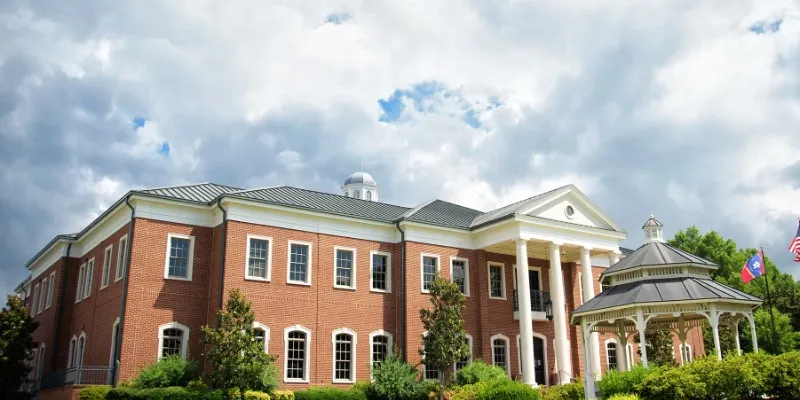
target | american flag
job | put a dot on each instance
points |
(794, 247)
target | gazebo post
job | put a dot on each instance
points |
(714, 319)
(589, 377)
(735, 326)
(682, 337)
(641, 325)
(753, 331)
(622, 337)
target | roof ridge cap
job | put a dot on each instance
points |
(186, 185)
(416, 208)
(333, 194)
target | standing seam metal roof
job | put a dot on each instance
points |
(657, 253)
(200, 193)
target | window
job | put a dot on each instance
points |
(380, 346)
(122, 257)
(114, 333)
(72, 347)
(611, 354)
(261, 332)
(42, 296)
(686, 353)
(79, 289)
(500, 352)
(459, 273)
(40, 362)
(106, 266)
(88, 279)
(297, 340)
(368, 194)
(172, 339)
(466, 360)
(79, 351)
(357, 194)
(430, 371)
(497, 281)
(344, 354)
(50, 288)
(299, 270)
(580, 287)
(381, 277)
(180, 256)
(34, 299)
(430, 266)
(630, 355)
(345, 268)
(259, 258)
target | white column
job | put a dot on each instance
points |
(588, 376)
(714, 319)
(735, 326)
(753, 331)
(641, 325)
(525, 321)
(622, 338)
(613, 258)
(588, 293)
(559, 315)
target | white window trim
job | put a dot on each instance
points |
(79, 356)
(388, 272)
(530, 268)
(617, 348)
(508, 344)
(50, 290)
(580, 287)
(247, 276)
(73, 347)
(469, 343)
(79, 289)
(42, 297)
(425, 366)
(113, 339)
(544, 356)
(105, 276)
(190, 262)
(33, 300)
(422, 270)
(466, 272)
(88, 278)
(502, 266)
(629, 353)
(122, 258)
(353, 276)
(307, 366)
(184, 342)
(389, 349)
(40, 361)
(683, 354)
(266, 334)
(309, 263)
(353, 363)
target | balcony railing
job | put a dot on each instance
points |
(82, 375)
(539, 300)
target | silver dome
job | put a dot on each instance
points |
(360, 177)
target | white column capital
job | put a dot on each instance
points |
(555, 244)
(586, 250)
(521, 241)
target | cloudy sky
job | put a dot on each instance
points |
(688, 109)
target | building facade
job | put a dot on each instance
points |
(336, 281)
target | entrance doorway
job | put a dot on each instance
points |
(540, 369)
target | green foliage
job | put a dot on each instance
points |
(732, 378)
(659, 347)
(168, 393)
(392, 379)
(624, 397)
(507, 390)
(783, 376)
(329, 393)
(93, 393)
(172, 370)
(444, 342)
(479, 371)
(269, 378)
(283, 395)
(363, 386)
(469, 392)
(16, 344)
(253, 395)
(238, 360)
(788, 339)
(616, 382)
(673, 384)
(571, 391)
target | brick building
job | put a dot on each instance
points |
(336, 281)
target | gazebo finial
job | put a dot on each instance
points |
(653, 230)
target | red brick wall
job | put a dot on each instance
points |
(60, 393)
(47, 318)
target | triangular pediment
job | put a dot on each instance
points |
(572, 206)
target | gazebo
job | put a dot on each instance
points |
(659, 286)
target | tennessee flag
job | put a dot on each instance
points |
(753, 268)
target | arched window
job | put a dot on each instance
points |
(344, 355)
(297, 342)
(380, 344)
(500, 352)
(686, 353)
(611, 354)
(114, 333)
(173, 338)
(261, 332)
(368, 194)
(629, 354)
(468, 359)
(357, 194)
(79, 351)
(73, 346)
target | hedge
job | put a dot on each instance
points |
(570, 391)
(168, 393)
(283, 395)
(94, 393)
(330, 393)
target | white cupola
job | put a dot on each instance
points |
(360, 185)
(653, 230)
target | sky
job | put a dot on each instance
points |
(687, 109)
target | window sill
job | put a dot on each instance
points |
(497, 298)
(298, 283)
(257, 279)
(103, 287)
(344, 381)
(294, 380)
(117, 279)
(344, 287)
(177, 278)
(380, 291)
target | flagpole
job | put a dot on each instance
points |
(769, 303)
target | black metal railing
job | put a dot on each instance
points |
(539, 300)
(82, 375)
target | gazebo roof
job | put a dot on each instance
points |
(657, 254)
(663, 290)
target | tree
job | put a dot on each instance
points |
(444, 343)
(16, 344)
(237, 358)
(787, 338)
(659, 347)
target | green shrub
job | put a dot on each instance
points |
(624, 397)
(329, 393)
(479, 371)
(254, 395)
(94, 393)
(570, 391)
(469, 392)
(507, 390)
(283, 395)
(170, 371)
(392, 379)
(269, 379)
(783, 376)
(732, 378)
(362, 386)
(616, 382)
(673, 384)
(168, 393)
